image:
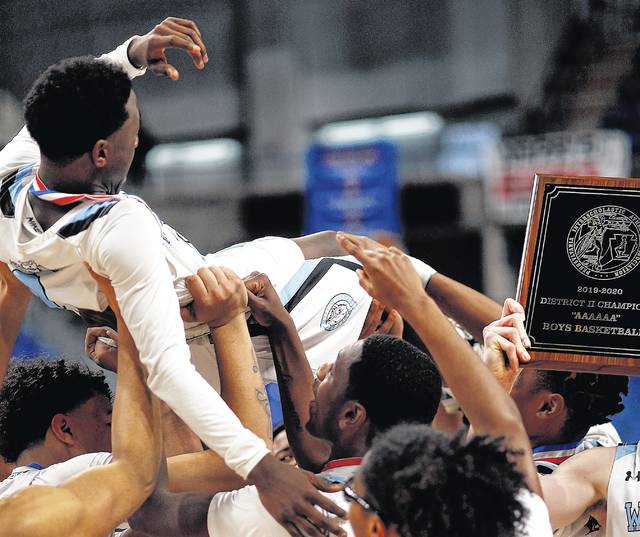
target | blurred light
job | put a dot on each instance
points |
(414, 125)
(194, 155)
(418, 124)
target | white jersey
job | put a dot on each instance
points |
(23, 477)
(623, 497)
(120, 238)
(240, 513)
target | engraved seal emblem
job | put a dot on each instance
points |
(337, 311)
(603, 243)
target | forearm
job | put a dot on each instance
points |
(241, 384)
(471, 309)
(486, 404)
(295, 382)
(14, 301)
(204, 471)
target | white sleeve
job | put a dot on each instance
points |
(18, 152)
(120, 58)
(57, 474)
(424, 271)
(127, 249)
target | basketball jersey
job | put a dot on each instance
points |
(623, 497)
(23, 477)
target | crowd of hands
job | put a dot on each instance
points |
(222, 300)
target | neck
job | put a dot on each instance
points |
(40, 454)
(76, 177)
(357, 447)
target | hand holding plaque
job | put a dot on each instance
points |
(579, 278)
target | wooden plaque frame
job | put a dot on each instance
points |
(581, 268)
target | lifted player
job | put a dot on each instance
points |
(61, 208)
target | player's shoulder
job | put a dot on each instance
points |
(11, 184)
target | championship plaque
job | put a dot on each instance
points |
(579, 279)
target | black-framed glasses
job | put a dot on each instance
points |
(351, 496)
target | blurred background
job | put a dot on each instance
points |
(421, 122)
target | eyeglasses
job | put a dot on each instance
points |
(351, 496)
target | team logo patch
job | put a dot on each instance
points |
(337, 312)
(603, 243)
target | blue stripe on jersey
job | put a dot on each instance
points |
(557, 447)
(32, 281)
(297, 279)
(81, 221)
(625, 449)
(19, 183)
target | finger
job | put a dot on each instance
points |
(196, 287)
(164, 69)
(372, 319)
(229, 273)
(187, 314)
(292, 529)
(174, 41)
(254, 285)
(189, 30)
(320, 522)
(219, 274)
(517, 321)
(209, 277)
(511, 306)
(390, 324)
(354, 245)
(323, 502)
(513, 335)
(364, 281)
(319, 482)
(305, 527)
(509, 350)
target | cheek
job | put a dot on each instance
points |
(356, 520)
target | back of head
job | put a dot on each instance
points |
(73, 104)
(395, 382)
(590, 398)
(427, 483)
(36, 390)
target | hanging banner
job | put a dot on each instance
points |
(353, 188)
(516, 161)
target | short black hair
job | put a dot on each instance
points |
(590, 398)
(427, 483)
(75, 103)
(34, 391)
(395, 381)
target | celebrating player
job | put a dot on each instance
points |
(61, 208)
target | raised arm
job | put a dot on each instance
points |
(389, 276)
(97, 500)
(14, 301)
(295, 377)
(578, 486)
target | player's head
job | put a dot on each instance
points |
(85, 108)
(559, 407)
(281, 449)
(60, 405)
(373, 385)
(416, 481)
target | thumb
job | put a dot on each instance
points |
(164, 69)
(322, 484)
(187, 314)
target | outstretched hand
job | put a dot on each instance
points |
(150, 49)
(388, 273)
(374, 323)
(290, 494)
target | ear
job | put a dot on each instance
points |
(352, 415)
(552, 405)
(100, 153)
(376, 527)
(61, 429)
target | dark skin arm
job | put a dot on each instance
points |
(295, 377)
(14, 301)
(389, 276)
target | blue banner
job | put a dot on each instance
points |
(353, 188)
